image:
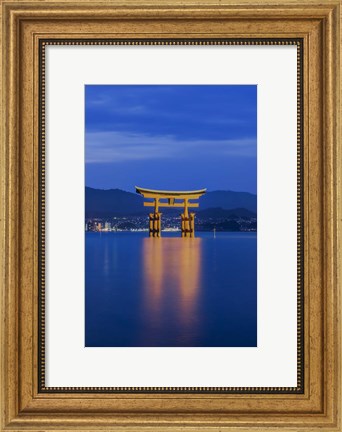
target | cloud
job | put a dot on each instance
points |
(172, 107)
(112, 106)
(111, 147)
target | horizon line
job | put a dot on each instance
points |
(207, 190)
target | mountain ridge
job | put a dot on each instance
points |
(103, 203)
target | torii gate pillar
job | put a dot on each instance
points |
(188, 221)
(155, 224)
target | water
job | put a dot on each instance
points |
(171, 292)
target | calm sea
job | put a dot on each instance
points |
(170, 292)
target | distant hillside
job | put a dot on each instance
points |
(218, 212)
(116, 202)
(112, 202)
(229, 200)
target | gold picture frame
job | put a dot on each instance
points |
(28, 26)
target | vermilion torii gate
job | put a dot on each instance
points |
(171, 199)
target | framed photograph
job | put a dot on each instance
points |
(169, 262)
(170, 215)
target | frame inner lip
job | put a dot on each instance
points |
(299, 389)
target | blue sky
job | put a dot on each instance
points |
(171, 137)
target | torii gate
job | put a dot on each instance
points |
(171, 199)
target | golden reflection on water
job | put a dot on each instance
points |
(172, 278)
